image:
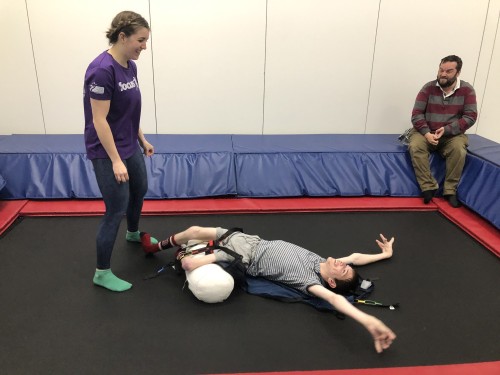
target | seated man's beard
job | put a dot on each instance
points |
(448, 82)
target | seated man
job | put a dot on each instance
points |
(291, 265)
(444, 109)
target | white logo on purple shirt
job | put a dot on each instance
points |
(96, 89)
(129, 85)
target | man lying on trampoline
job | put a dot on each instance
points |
(291, 265)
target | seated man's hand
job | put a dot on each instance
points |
(431, 138)
(439, 133)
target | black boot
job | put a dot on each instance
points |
(453, 200)
(428, 194)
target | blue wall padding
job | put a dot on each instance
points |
(56, 166)
(194, 166)
(47, 176)
(479, 188)
(191, 166)
(325, 165)
(484, 149)
(2, 180)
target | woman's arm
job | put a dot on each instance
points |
(147, 147)
(100, 110)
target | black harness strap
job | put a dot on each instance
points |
(215, 244)
(236, 268)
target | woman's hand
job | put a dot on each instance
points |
(147, 148)
(120, 171)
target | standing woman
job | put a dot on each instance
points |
(112, 106)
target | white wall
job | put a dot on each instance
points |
(19, 96)
(319, 57)
(412, 37)
(251, 66)
(209, 65)
(488, 78)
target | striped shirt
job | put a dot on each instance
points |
(286, 263)
(456, 112)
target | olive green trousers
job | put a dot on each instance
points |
(453, 149)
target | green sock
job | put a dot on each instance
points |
(136, 237)
(108, 280)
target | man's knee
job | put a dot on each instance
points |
(416, 148)
(194, 232)
(418, 144)
(195, 229)
(456, 151)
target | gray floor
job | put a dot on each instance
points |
(54, 321)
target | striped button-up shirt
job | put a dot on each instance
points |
(286, 263)
(433, 110)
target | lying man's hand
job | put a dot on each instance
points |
(385, 245)
(382, 335)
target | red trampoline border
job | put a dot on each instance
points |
(470, 222)
(480, 368)
(467, 220)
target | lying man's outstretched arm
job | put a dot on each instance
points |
(358, 259)
(382, 335)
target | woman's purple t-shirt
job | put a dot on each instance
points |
(106, 79)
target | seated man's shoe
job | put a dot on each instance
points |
(453, 201)
(428, 194)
